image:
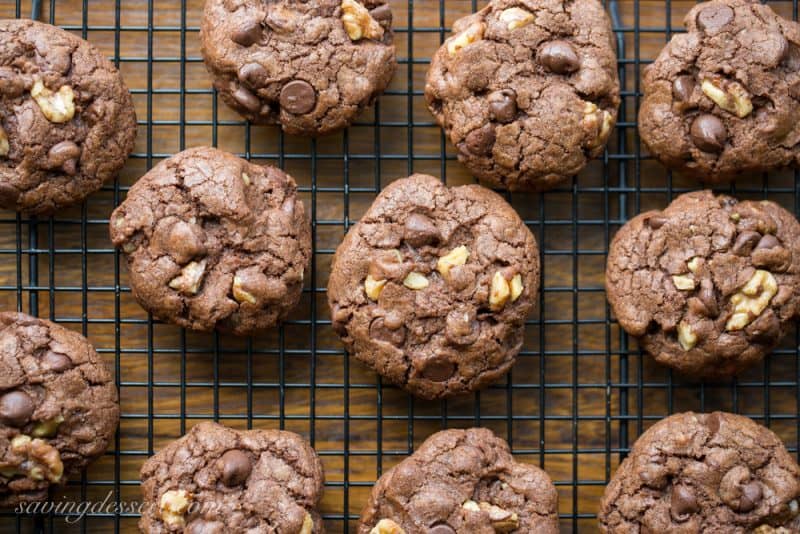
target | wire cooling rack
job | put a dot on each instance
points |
(580, 393)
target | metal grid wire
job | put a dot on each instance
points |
(581, 391)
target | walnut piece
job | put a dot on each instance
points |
(239, 293)
(694, 264)
(730, 96)
(173, 505)
(308, 524)
(246, 178)
(358, 23)
(58, 106)
(596, 119)
(44, 460)
(686, 336)
(387, 526)
(472, 34)
(416, 280)
(4, 146)
(752, 299)
(516, 287)
(457, 256)
(683, 282)
(373, 287)
(499, 292)
(502, 520)
(188, 282)
(515, 17)
(47, 428)
(768, 529)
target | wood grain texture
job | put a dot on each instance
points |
(580, 392)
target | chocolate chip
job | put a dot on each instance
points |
(382, 14)
(247, 34)
(714, 17)
(55, 361)
(712, 423)
(379, 331)
(751, 496)
(767, 242)
(559, 57)
(393, 320)
(683, 503)
(709, 133)
(708, 297)
(246, 99)
(420, 230)
(63, 155)
(387, 266)
(184, 242)
(657, 221)
(298, 97)
(745, 242)
(654, 476)
(438, 370)
(503, 105)
(461, 327)
(70, 167)
(16, 408)
(441, 528)
(8, 195)
(253, 74)
(236, 467)
(682, 87)
(480, 141)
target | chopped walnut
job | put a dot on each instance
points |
(683, 282)
(502, 520)
(308, 524)
(686, 336)
(240, 294)
(457, 256)
(387, 526)
(188, 282)
(416, 280)
(43, 460)
(373, 288)
(472, 34)
(499, 293)
(174, 504)
(58, 106)
(4, 146)
(47, 428)
(516, 287)
(752, 299)
(516, 17)
(358, 23)
(730, 96)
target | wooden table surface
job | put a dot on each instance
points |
(575, 401)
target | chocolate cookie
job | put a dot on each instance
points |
(715, 472)
(722, 99)
(709, 285)
(214, 241)
(310, 66)
(58, 407)
(216, 479)
(461, 481)
(432, 287)
(66, 118)
(527, 91)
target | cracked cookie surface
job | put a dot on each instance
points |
(432, 287)
(461, 481)
(709, 285)
(214, 241)
(527, 90)
(722, 99)
(311, 66)
(216, 479)
(716, 472)
(67, 122)
(58, 407)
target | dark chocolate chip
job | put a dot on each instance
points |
(382, 14)
(751, 496)
(236, 467)
(461, 327)
(712, 423)
(709, 133)
(420, 230)
(441, 528)
(683, 503)
(714, 17)
(438, 370)
(55, 361)
(682, 87)
(767, 242)
(253, 74)
(298, 97)
(559, 57)
(62, 152)
(247, 34)
(379, 331)
(16, 408)
(745, 242)
(708, 297)
(657, 221)
(503, 105)
(480, 141)
(246, 99)
(387, 266)
(70, 167)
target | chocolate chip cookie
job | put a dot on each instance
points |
(310, 66)
(67, 122)
(216, 479)
(214, 241)
(710, 284)
(461, 481)
(715, 472)
(58, 407)
(432, 287)
(527, 91)
(722, 99)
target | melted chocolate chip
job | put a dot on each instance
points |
(714, 17)
(382, 14)
(767, 242)
(16, 408)
(503, 105)
(63, 152)
(657, 221)
(709, 133)
(420, 230)
(253, 74)
(480, 141)
(378, 331)
(559, 57)
(246, 99)
(441, 528)
(683, 503)
(751, 496)
(438, 370)
(236, 467)
(745, 242)
(247, 34)
(298, 97)
(682, 87)
(56, 361)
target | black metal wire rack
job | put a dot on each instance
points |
(580, 393)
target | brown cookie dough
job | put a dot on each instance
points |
(527, 91)
(432, 287)
(58, 407)
(722, 99)
(214, 241)
(216, 480)
(310, 66)
(715, 472)
(709, 285)
(462, 482)
(67, 122)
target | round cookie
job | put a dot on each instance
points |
(67, 122)
(715, 472)
(310, 66)
(722, 99)
(527, 91)
(214, 241)
(432, 287)
(216, 479)
(58, 407)
(709, 285)
(461, 482)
